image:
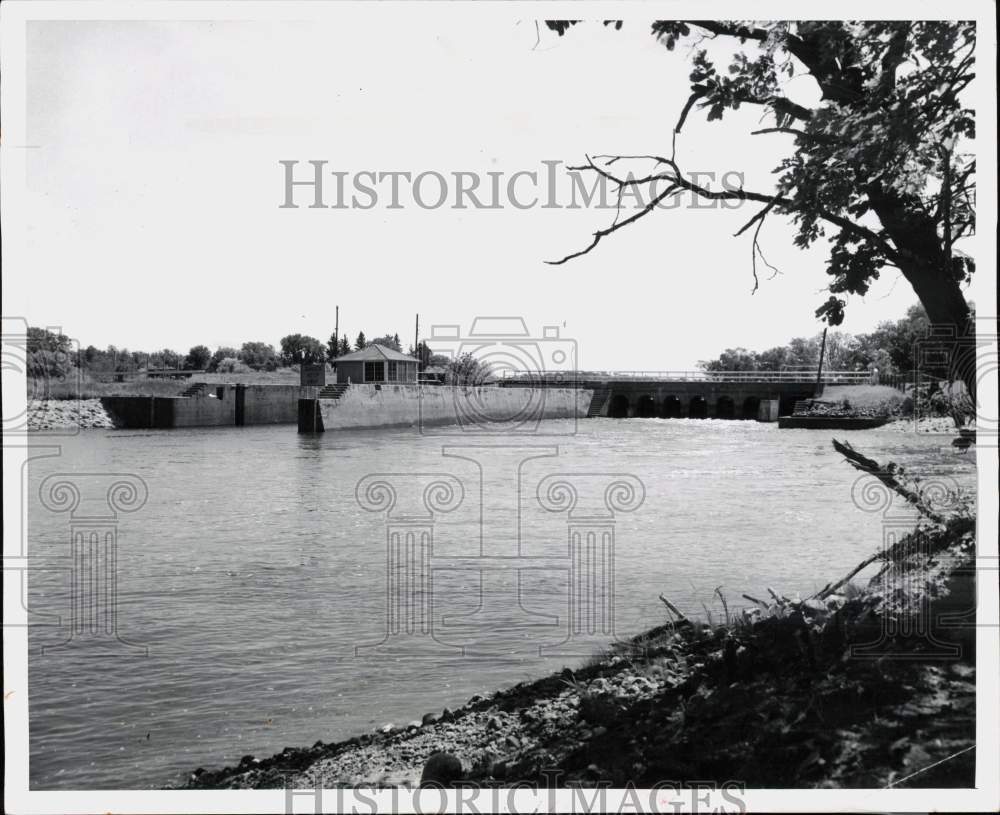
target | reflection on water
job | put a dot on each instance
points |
(252, 575)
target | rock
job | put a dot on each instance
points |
(447, 715)
(414, 725)
(432, 718)
(443, 769)
(494, 723)
(387, 728)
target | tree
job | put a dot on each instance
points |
(345, 346)
(360, 342)
(197, 358)
(219, 355)
(332, 348)
(298, 349)
(733, 359)
(168, 358)
(41, 339)
(466, 370)
(388, 341)
(876, 167)
(258, 356)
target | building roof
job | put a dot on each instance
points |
(377, 353)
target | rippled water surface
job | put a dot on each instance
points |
(251, 574)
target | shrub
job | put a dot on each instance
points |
(231, 365)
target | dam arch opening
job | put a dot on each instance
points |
(698, 407)
(618, 408)
(670, 408)
(751, 407)
(725, 408)
(646, 407)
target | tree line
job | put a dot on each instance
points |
(892, 348)
(54, 354)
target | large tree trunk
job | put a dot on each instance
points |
(926, 266)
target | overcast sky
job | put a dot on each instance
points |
(154, 189)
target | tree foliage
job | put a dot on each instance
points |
(878, 167)
(298, 349)
(197, 358)
(892, 348)
(260, 356)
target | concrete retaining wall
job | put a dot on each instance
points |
(217, 406)
(426, 406)
(270, 404)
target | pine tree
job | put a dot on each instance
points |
(360, 342)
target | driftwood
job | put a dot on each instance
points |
(674, 610)
(886, 476)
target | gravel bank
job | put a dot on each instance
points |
(50, 414)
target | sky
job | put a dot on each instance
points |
(154, 189)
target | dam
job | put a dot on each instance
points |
(516, 402)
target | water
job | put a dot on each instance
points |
(251, 574)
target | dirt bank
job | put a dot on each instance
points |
(774, 697)
(49, 414)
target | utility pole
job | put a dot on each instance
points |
(336, 327)
(819, 373)
(416, 345)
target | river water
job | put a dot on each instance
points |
(251, 574)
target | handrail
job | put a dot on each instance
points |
(791, 376)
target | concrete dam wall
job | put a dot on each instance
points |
(430, 406)
(214, 406)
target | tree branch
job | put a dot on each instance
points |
(677, 181)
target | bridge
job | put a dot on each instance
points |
(693, 394)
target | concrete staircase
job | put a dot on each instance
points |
(197, 389)
(598, 401)
(333, 391)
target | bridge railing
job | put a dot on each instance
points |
(782, 376)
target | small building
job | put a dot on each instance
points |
(376, 363)
(434, 375)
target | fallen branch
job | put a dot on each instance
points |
(885, 475)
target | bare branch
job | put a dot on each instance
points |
(603, 233)
(758, 217)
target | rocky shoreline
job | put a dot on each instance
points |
(772, 697)
(82, 414)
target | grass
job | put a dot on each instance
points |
(88, 389)
(864, 396)
(84, 387)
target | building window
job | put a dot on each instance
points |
(374, 372)
(393, 371)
